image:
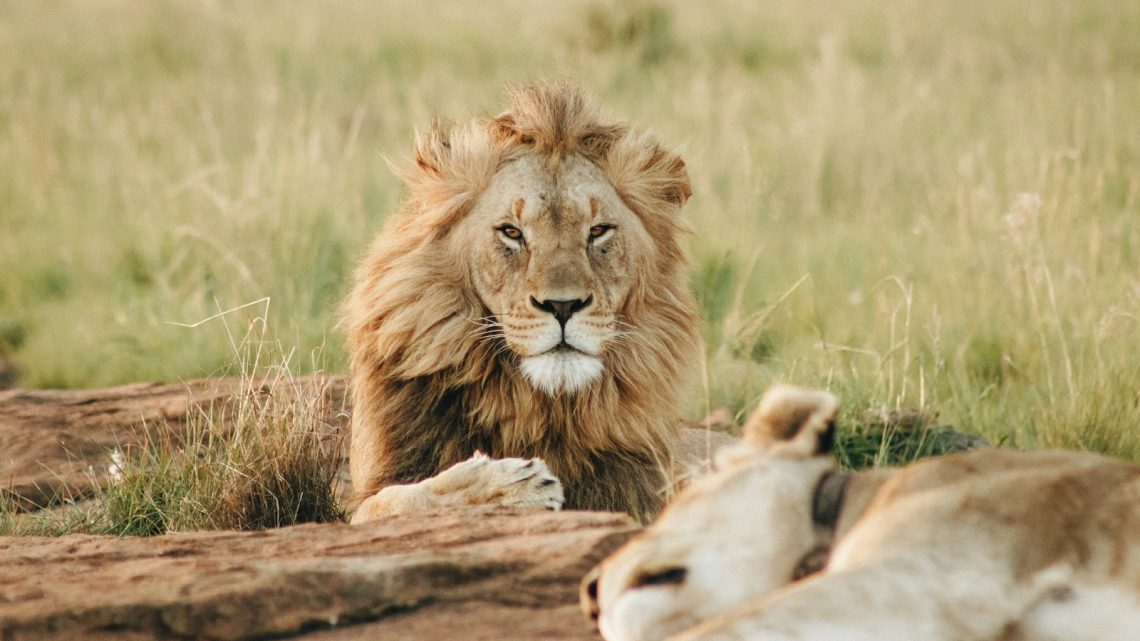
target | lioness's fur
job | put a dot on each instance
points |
(436, 369)
(989, 545)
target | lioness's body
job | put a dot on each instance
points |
(528, 301)
(988, 545)
(979, 546)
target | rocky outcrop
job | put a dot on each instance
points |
(482, 573)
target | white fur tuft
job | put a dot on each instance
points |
(561, 371)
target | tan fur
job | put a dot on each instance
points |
(986, 545)
(440, 317)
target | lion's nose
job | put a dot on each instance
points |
(562, 309)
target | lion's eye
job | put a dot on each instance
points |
(511, 232)
(598, 231)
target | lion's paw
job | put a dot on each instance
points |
(515, 482)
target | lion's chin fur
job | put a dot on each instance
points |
(561, 371)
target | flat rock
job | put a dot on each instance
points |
(480, 573)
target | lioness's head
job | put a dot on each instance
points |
(737, 534)
(571, 221)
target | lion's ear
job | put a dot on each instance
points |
(432, 150)
(647, 176)
(793, 422)
(504, 130)
(675, 188)
(449, 167)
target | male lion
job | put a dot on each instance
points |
(988, 545)
(528, 301)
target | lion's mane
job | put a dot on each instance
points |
(428, 391)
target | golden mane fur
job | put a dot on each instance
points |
(428, 391)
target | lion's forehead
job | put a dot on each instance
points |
(575, 190)
(525, 178)
(581, 179)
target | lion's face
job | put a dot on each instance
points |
(553, 253)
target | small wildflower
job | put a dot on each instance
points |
(115, 469)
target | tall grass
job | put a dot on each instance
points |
(859, 170)
(268, 456)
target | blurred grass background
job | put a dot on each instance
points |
(921, 205)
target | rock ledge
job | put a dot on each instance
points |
(473, 574)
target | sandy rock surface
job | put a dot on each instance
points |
(482, 573)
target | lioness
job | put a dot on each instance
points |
(528, 301)
(988, 545)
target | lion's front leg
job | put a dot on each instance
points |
(480, 480)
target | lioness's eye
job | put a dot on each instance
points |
(597, 231)
(510, 231)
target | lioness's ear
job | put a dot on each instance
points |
(793, 422)
(646, 174)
